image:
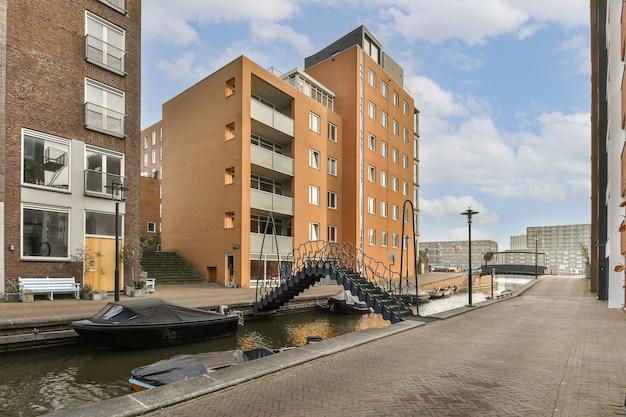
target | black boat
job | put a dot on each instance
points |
(346, 302)
(153, 322)
(181, 367)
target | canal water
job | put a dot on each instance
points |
(37, 383)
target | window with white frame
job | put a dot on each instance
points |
(371, 142)
(371, 205)
(395, 127)
(383, 149)
(145, 142)
(396, 99)
(371, 173)
(405, 161)
(45, 160)
(151, 227)
(394, 240)
(314, 195)
(405, 188)
(153, 156)
(314, 158)
(45, 231)
(145, 159)
(394, 155)
(395, 183)
(332, 233)
(102, 167)
(371, 49)
(383, 179)
(383, 119)
(105, 43)
(405, 134)
(104, 108)
(405, 108)
(394, 212)
(371, 78)
(384, 89)
(314, 122)
(332, 200)
(119, 5)
(153, 137)
(314, 231)
(383, 239)
(332, 166)
(371, 110)
(383, 208)
(371, 237)
(100, 224)
(332, 132)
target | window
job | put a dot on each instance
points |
(383, 239)
(332, 233)
(384, 89)
(229, 131)
(371, 173)
(229, 220)
(371, 205)
(145, 159)
(394, 240)
(45, 232)
(100, 224)
(371, 78)
(332, 166)
(371, 142)
(105, 44)
(332, 132)
(405, 161)
(383, 209)
(314, 159)
(154, 156)
(153, 138)
(394, 155)
(119, 5)
(332, 200)
(260, 224)
(405, 188)
(230, 87)
(405, 134)
(371, 49)
(371, 110)
(314, 231)
(266, 184)
(394, 184)
(396, 99)
(383, 118)
(145, 142)
(314, 122)
(104, 109)
(229, 176)
(383, 179)
(151, 227)
(371, 237)
(314, 195)
(395, 127)
(103, 166)
(405, 108)
(45, 160)
(383, 149)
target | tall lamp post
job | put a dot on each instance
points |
(469, 213)
(117, 194)
(536, 253)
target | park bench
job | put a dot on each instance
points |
(150, 284)
(49, 286)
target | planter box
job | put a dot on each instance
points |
(96, 295)
(12, 297)
(28, 297)
(138, 292)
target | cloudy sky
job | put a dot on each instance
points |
(502, 87)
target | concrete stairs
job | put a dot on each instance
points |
(169, 268)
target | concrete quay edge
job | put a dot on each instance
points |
(140, 403)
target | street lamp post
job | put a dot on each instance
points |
(536, 253)
(117, 189)
(469, 213)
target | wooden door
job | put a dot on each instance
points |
(101, 274)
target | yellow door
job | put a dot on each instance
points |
(101, 273)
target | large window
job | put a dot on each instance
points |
(314, 158)
(105, 44)
(314, 195)
(45, 232)
(332, 132)
(266, 184)
(101, 224)
(371, 110)
(104, 109)
(371, 205)
(102, 167)
(314, 122)
(45, 160)
(371, 78)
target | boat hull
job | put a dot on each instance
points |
(341, 306)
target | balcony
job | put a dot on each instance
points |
(98, 183)
(119, 5)
(105, 55)
(285, 244)
(271, 160)
(275, 203)
(270, 116)
(105, 120)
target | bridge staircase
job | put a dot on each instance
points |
(370, 280)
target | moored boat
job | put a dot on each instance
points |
(441, 292)
(346, 302)
(153, 322)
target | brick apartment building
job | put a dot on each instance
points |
(69, 120)
(328, 153)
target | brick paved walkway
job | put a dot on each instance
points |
(554, 351)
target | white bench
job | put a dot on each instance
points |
(49, 286)
(150, 284)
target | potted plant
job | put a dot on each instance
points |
(85, 292)
(138, 289)
(96, 295)
(12, 292)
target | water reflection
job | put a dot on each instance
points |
(41, 382)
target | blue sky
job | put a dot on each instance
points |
(502, 87)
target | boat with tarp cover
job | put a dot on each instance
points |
(153, 322)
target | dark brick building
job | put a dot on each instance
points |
(69, 128)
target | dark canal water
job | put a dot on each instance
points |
(37, 383)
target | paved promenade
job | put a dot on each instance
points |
(553, 351)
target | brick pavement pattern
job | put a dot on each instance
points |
(554, 351)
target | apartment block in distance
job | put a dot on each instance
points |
(151, 175)
(70, 107)
(257, 162)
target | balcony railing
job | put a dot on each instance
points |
(271, 160)
(98, 183)
(270, 117)
(285, 244)
(105, 55)
(105, 120)
(262, 200)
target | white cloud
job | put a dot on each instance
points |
(449, 206)
(579, 45)
(270, 33)
(184, 67)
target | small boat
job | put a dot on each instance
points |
(153, 322)
(441, 292)
(346, 302)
